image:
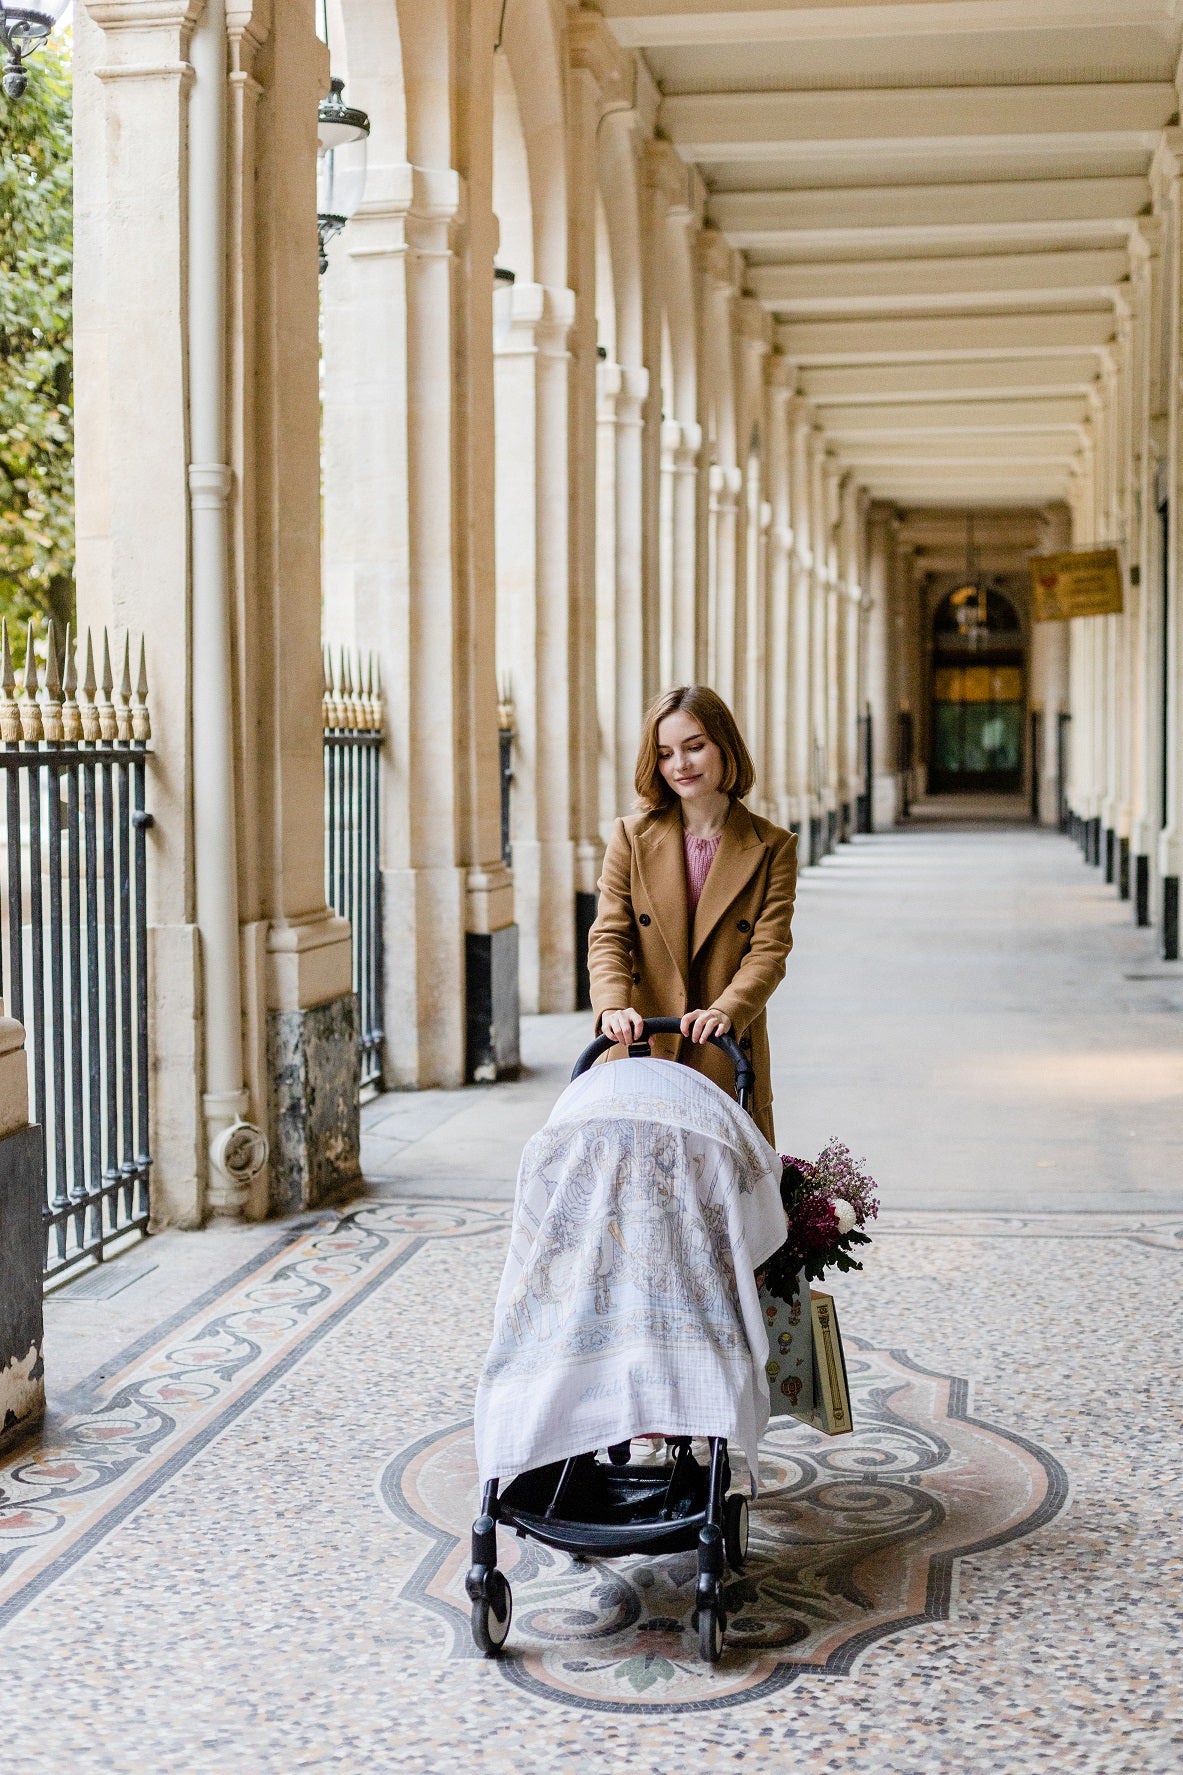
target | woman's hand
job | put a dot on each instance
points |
(623, 1026)
(700, 1026)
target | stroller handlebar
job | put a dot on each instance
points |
(745, 1074)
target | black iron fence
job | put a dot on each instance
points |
(353, 729)
(74, 954)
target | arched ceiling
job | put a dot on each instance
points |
(934, 201)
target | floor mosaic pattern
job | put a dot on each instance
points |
(852, 1538)
(242, 1550)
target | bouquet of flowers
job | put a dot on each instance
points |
(828, 1203)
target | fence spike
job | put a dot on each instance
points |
(123, 707)
(51, 702)
(379, 705)
(108, 720)
(141, 720)
(87, 706)
(10, 715)
(366, 672)
(71, 713)
(31, 728)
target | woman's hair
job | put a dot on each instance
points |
(717, 723)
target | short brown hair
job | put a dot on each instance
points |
(718, 724)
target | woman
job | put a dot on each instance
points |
(696, 898)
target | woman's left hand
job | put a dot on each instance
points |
(700, 1026)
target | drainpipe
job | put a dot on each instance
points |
(237, 1151)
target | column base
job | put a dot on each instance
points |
(1110, 853)
(862, 814)
(492, 1013)
(1094, 852)
(1142, 890)
(585, 914)
(22, 1258)
(1123, 868)
(314, 1061)
(815, 839)
(844, 826)
(1170, 918)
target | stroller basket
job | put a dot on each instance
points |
(590, 1508)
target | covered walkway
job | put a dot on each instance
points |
(237, 1547)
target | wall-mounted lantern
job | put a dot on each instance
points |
(503, 282)
(342, 134)
(22, 33)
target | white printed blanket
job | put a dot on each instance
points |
(628, 1305)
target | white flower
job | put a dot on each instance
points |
(847, 1218)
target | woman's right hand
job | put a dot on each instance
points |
(623, 1026)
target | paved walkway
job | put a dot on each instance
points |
(240, 1546)
(967, 1005)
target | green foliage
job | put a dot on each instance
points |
(36, 351)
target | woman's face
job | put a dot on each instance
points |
(690, 763)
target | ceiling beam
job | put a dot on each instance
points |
(639, 24)
(1005, 454)
(766, 218)
(930, 340)
(1014, 378)
(993, 280)
(759, 125)
(1005, 418)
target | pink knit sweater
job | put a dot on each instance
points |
(700, 854)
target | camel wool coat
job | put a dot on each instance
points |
(643, 952)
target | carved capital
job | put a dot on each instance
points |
(593, 50)
(667, 174)
(716, 260)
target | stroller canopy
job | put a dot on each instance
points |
(628, 1305)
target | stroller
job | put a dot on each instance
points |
(589, 1508)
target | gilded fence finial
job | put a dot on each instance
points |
(123, 707)
(108, 721)
(71, 713)
(378, 708)
(506, 713)
(141, 720)
(87, 707)
(326, 699)
(336, 712)
(31, 728)
(51, 704)
(365, 691)
(348, 699)
(10, 715)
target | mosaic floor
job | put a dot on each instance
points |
(242, 1550)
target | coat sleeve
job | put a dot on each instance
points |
(763, 967)
(610, 942)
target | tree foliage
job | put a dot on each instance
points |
(36, 351)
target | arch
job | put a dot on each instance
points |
(532, 52)
(367, 52)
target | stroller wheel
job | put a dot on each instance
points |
(712, 1625)
(735, 1530)
(492, 1613)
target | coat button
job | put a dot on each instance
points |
(644, 918)
(636, 979)
(744, 925)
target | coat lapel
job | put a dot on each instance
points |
(661, 864)
(736, 860)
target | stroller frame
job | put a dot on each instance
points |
(590, 1510)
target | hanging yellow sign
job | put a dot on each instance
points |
(1084, 583)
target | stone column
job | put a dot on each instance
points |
(609, 383)
(533, 638)
(197, 287)
(22, 1244)
(1170, 842)
(684, 566)
(881, 531)
(630, 651)
(1049, 679)
(1150, 437)
(778, 662)
(601, 77)
(671, 438)
(800, 592)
